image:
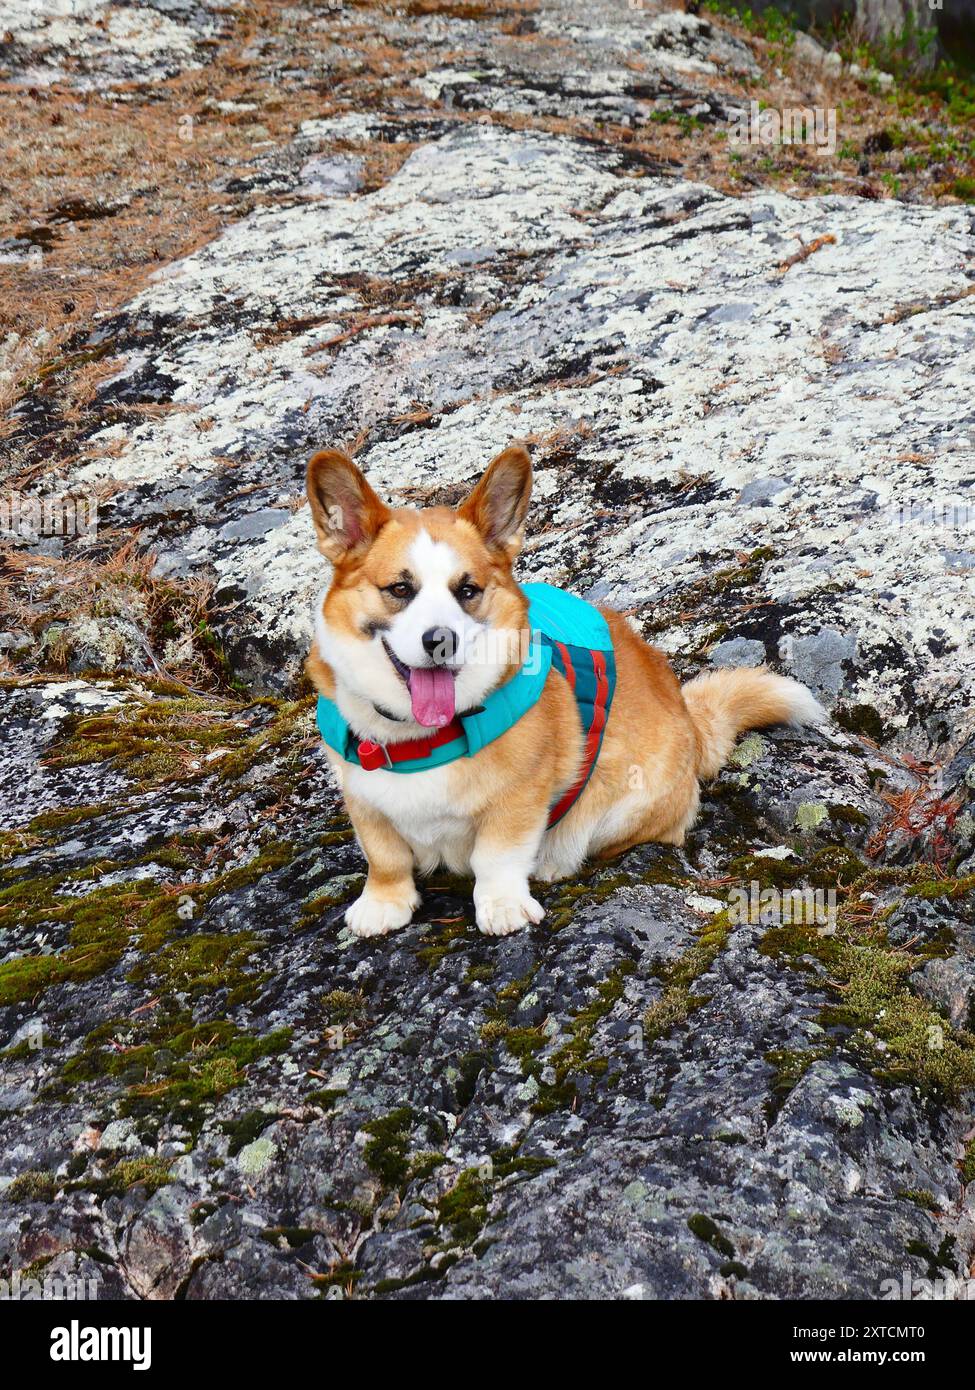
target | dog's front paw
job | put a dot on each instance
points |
(500, 915)
(371, 915)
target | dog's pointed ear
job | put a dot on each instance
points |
(345, 510)
(499, 503)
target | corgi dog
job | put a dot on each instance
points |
(422, 635)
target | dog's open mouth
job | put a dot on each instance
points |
(431, 690)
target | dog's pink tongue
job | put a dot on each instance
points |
(432, 694)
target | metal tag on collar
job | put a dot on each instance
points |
(373, 755)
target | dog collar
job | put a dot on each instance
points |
(375, 755)
(464, 736)
(565, 631)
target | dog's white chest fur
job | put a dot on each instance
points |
(422, 807)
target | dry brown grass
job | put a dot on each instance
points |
(113, 190)
(111, 604)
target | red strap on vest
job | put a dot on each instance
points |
(376, 755)
(593, 734)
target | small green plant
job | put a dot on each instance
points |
(771, 25)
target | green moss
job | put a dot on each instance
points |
(666, 1013)
(894, 876)
(424, 1275)
(528, 1043)
(200, 964)
(506, 1001)
(246, 1128)
(47, 825)
(707, 1230)
(178, 1068)
(771, 24)
(943, 888)
(666, 867)
(463, 1209)
(937, 1261)
(790, 1066)
(150, 1173)
(293, 722)
(744, 575)
(170, 738)
(68, 816)
(508, 1162)
(494, 1030)
(325, 1099)
(340, 890)
(424, 1165)
(967, 1166)
(710, 640)
(524, 1043)
(386, 1151)
(288, 1237)
(677, 1001)
(861, 719)
(831, 867)
(14, 843)
(563, 904)
(105, 921)
(847, 815)
(342, 1005)
(575, 1057)
(342, 1275)
(921, 1197)
(797, 941)
(448, 940)
(480, 974)
(598, 884)
(940, 946)
(469, 1068)
(513, 993)
(875, 1013)
(33, 1186)
(920, 1046)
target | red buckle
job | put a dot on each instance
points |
(376, 755)
(372, 755)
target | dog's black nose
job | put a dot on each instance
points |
(440, 644)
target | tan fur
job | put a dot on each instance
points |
(658, 742)
(723, 703)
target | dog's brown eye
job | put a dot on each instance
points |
(401, 590)
(468, 592)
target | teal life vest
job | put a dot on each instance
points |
(567, 633)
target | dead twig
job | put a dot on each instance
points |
(806, 249)
(360, 326)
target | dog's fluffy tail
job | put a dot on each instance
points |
(723, 703)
